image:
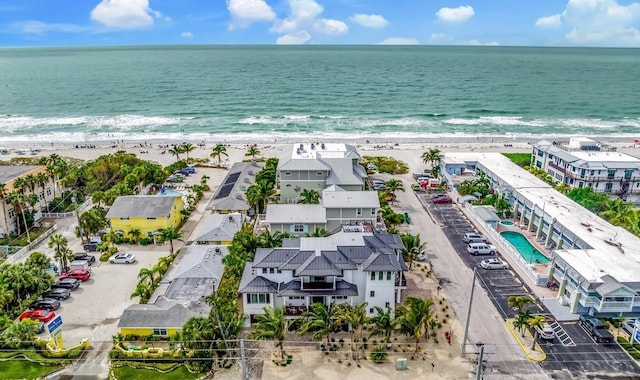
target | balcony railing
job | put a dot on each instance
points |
(614, 306)
(295, 310)
(401, 283)
(318, 286)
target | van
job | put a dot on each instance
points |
(481, 249)
(474, 238)
(79, 264)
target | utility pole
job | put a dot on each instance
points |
(244, 361)
(466, 326)
(479, 370)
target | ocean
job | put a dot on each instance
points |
(269, 93)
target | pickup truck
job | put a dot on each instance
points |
(596, 329)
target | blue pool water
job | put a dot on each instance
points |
(172, 193)
(506, 223)
(526, 249)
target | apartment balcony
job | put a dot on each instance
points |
(318, 286)
(611, 307)
(295, 311)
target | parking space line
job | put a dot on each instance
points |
(562, 335)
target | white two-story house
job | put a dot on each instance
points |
(350, 266)
(337, 207)
(583, 162)
(316, 166)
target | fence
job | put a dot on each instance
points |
(64, 215)
(23, 251)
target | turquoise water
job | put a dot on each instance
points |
(526, 250)
(506, 222)
(263, 93)
(172, 193)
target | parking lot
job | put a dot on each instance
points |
(584, 356)
(93, 309)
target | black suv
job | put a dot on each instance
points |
(57, 293)
(90, 259)
(47, 304)
(67, 283)
(91, 247)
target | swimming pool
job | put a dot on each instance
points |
(172, 193)
(526, 249)
(506, 223)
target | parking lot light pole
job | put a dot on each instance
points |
(466, 325)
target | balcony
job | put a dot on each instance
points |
(401, 283)
(295, 311)
(607, 307)
(318, 285)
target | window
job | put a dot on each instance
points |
(272, 270)
(387, 304)
(258, 298)
(540, 153)
(373, 276)
(628, 173)
(278, 271)
(124, 218)
(372, 293)
(358, 211)
(151, 218)
(264, 270)
(370, 310)
(380, 276)
(373, 211)
(160, 332)
(296, 297)
(388, 276)
(288, 174)
(318, 174)
(608, 186)
(339, 297)
(611, 173)
(298, 228)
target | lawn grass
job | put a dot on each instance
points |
(520, 159)
(24, 369)
(128, 373)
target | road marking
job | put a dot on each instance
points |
(562, 335)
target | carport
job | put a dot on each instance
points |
(488, 215)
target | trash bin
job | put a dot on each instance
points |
(401, 364)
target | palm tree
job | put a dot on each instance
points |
(521, 322)
(3, 196)
(135, 234)
(187, 148)
(502, 206)
(143, 290)
(42, 179)
(60, 249)
(383, 323)
(309, 197)
(147, 274)
(356, 318)
(518, 303)
(218, 151)
(253, 151)
(435, 171)
(176, 150)
(170, 234)
(319, 232)
(38, 260)
(21, 334)
(259, 193)
(394, 185)
(536, 322)
(272, 325)
(412, 247)
(18, 200)
(320, 320)
(413, 317)
(432, 156)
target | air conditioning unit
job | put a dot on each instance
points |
(239, 196)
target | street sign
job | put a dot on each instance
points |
(54, 324)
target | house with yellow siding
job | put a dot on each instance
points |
(154, 319)
(145, 213)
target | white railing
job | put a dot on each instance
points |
(23, 251)
(508, 248)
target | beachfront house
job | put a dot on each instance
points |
(230, 196)
(594, 265)
(337, 207)
(180, 295)
(145, 213)
(583, 162)
(350, 266)
(26, 180)
(316, 166)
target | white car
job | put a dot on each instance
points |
(494, 264)
(122, 258)
(546, 332)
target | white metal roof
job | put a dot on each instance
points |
(614, 250)
(295, 213)
(350, 199)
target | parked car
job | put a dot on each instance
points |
(67, 283)
(90, 259)
(546, 332)
(415, 187)
(45, 304)
(175, 178)
(441, 200)
(57, 293)
(38, 315)
(79, 274)
(595, 328)
(474, 238)
(494, 264)
(77, 264)
(481, 249)
(91, 247)
(628, 325)
(378, 186)
(122, 258)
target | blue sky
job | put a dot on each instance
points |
(427, 22)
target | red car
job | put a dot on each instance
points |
(443, 199)
(78, 274)
(38, 315)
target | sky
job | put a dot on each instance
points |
(601, 23)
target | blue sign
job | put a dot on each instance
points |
(54, 324)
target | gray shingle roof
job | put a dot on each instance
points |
(272, 257)
(343, 288)
(10, 172)
(231, 196)
(317, 265)
(296, 260)
(381, 262)
(259, 285)
(218, 227)
(155, 316)
(142, 206)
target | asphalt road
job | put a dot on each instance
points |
(585, 357)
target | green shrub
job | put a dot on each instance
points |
(378, 354)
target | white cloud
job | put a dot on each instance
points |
(331, 27)
(602, 23)
(124, 14)
(38, 27)
(303, 17)
(440, 37)
(186, 35)
(478, 43)
(456, 15)
(398, 41)
(245, 12)
(369, 21)
(549, 21)
(296, 38)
